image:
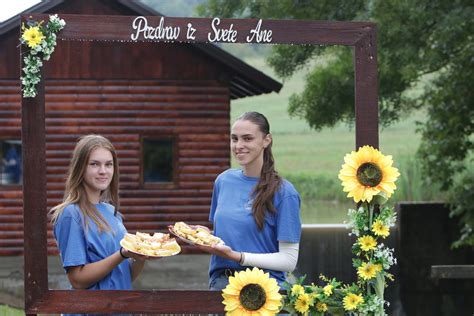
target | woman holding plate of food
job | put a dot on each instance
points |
(254, 211)
(87, 225)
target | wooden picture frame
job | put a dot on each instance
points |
(38, 297)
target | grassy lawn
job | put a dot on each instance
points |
(9, 311)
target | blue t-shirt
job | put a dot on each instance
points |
(232, 216)
(79, 247)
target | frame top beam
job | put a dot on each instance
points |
(207, 30)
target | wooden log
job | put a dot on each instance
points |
(165, 208)
(456, 271)
(98, 98)
(181, 106)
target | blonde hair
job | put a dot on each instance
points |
(75, 192)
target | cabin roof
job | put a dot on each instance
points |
(245, 80)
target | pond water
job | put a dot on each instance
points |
(324, 212)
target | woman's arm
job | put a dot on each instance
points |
(82, 277)
(283, 260)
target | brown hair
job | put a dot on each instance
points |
(75, 192)
(269, 181)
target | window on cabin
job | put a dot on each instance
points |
(10, 162)
(158, 160)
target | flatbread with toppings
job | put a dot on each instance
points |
(194, 234)
(156, 245)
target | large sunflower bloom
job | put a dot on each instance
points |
(351, 301)
(366, 173)
(32, 36)
(251, 292)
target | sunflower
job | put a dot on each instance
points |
(367, 172)
(379, 229)
(367, 243)
(368, 270)
(32, 36)
(327, 290)
(251, 292)
(302, 303)
(351, 301)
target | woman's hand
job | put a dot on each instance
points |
(221, 251)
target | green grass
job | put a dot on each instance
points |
(10, 311)
(311, 160)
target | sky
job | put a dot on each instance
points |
(12, 8)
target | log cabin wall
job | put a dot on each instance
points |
(195, 111)
(124, 91)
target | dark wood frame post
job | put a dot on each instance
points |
(38, 297)
(366, 90)
(33, 137)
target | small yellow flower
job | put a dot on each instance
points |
(302, 303)
(327, 289)
(321, 307)
(367, 243)
(33, 36)
(389, 276)
(380, 229)
(368, 270)
(351, 301)
(297, 289)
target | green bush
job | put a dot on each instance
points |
(317, 187)
(411, 185)
(461, 198)
(323, 200)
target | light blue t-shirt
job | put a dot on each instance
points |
(232, 216)
(79, 247)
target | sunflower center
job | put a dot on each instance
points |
(252, 297)
(369, 174)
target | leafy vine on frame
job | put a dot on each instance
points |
(40, 38)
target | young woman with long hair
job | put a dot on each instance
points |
(254, 211)
(87, 224)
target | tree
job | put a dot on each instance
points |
(418, 41)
